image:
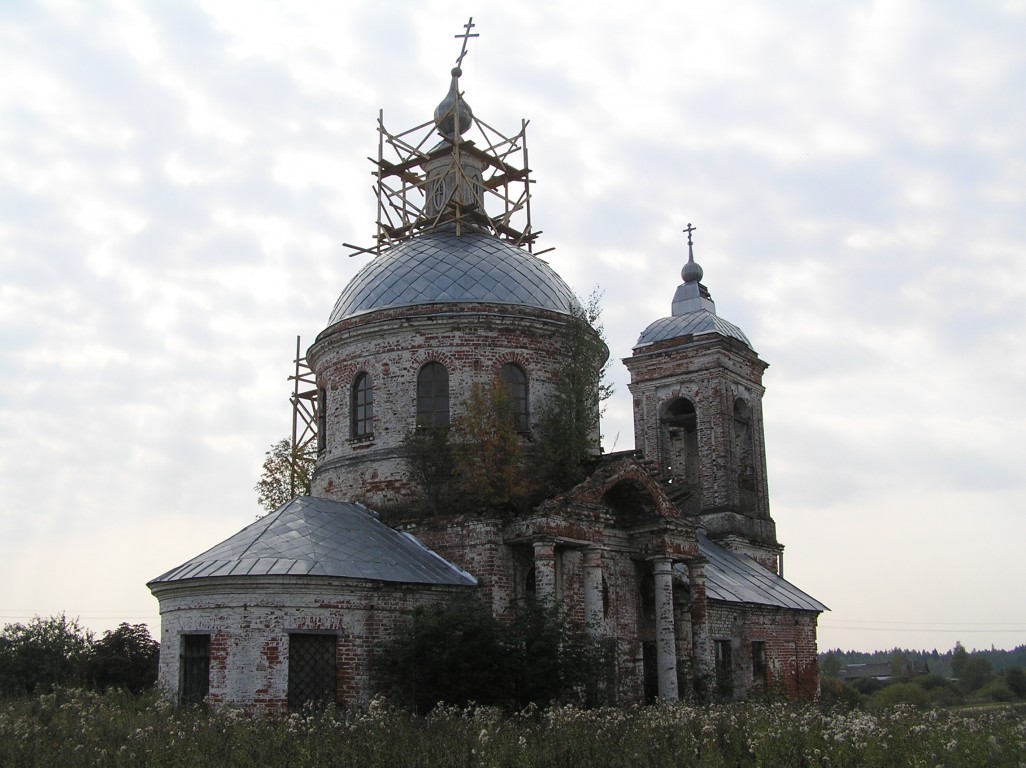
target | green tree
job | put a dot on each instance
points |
(125, 657)
(458, 652)
(557, 659)
(831, 666)
(959, 657)
(44, 653)
(568, 420)
(975, 673)
(455, 652)
(286, 474)
(487, 450)
(1015, 677)
(429, 461)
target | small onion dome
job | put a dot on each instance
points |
(451, 104)
(692, 272)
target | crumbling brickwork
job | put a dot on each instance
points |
(473, 342)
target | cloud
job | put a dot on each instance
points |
(176, 183)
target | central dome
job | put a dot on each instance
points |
(442, 267)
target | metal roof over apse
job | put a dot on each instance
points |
(691, 324)
(736, 578)
(441, 267)
(318, 537)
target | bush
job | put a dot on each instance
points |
(125, 657)
(996, 690)
(974, 675)
(458, 653)
(36, 657)
(900, 693)
(455, 653)
(833, 692)
(1015, 678)
(941, 691)
(867, 686)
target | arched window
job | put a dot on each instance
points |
(433, 396)
(515, 381)
(362, 406)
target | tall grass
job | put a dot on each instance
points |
(80, 728)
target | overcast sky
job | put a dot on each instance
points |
(177, 180)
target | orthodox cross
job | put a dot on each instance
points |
(689, 229)
(466, 36)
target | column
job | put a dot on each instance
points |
(701, 642)
(593, 609)
(545, 571)
(666, 651)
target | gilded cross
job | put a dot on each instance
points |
(466, 36)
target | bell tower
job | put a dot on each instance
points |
(697, 387)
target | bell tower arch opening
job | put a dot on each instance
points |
(678, 452)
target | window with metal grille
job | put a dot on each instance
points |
(363, 406)
(515, 380)
(433, 396)
(311, 669)
(759, 661)
(194, 669)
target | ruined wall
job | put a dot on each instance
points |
(249, 621)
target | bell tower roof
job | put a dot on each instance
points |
(693, 311)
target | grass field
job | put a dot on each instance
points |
(79, 728)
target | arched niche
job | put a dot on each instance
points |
(631, 503)
(744, 451)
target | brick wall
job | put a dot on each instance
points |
(712, 373)
(792, 666)
(473, 342)
(249, 620)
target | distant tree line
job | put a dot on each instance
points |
(926, 678)
(46, 653)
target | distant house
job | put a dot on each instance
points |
(884, 670)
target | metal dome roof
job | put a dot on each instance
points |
(441, 267)
(311, 536)
(691, 324)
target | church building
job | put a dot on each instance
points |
(668, 549)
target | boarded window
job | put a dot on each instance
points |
(194, 669)
(515, 381)
(433, 396)
(363, 406)
(311, 669)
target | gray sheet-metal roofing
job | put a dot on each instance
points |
(691, 324)
(439, 267)
(736, 578)
(319, 537)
